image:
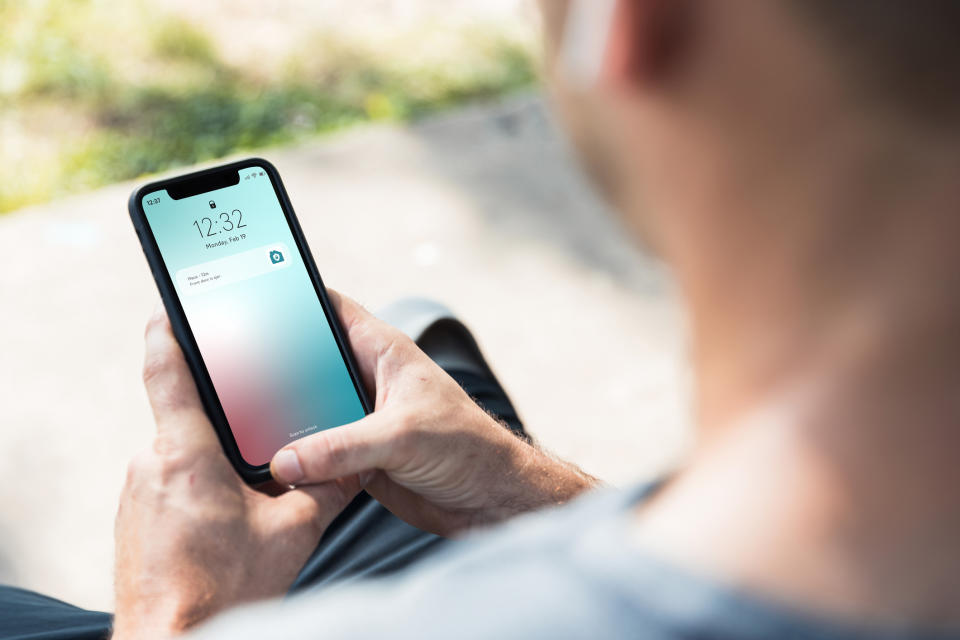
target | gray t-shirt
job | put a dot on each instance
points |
(571, 572)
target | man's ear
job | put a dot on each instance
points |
(645, 40)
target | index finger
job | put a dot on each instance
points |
(369, 336)
(170, 387)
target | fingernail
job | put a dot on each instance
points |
(286, 467)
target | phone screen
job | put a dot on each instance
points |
(256, 317)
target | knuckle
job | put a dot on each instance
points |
(402, 347)
(163, 448)
(140, 466)
(169, 459)
(167, 380)
(396, 349)
(157, 321)
(157, 364)
(332, 450)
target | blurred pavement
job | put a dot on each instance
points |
(481, 208)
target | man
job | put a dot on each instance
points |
(795, 162)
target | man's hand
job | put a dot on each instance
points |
(428, 452)
(191, 538)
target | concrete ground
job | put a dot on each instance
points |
(481, 208)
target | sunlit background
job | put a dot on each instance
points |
(96, 92)
(418, 150)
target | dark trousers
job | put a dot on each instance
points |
(365, 540)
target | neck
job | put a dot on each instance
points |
(829, 285)
(826, 347)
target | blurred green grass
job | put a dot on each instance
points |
(94, 93)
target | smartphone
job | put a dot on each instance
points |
(248, 308)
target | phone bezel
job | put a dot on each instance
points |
(181, 326)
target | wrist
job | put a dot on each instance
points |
(537, 480)
(553, 481)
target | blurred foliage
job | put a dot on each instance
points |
(92, 93)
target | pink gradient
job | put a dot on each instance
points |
(248, 400)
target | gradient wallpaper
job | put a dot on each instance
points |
(254, 313)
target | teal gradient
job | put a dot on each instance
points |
(266, 342)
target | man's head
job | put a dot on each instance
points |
(680, 102)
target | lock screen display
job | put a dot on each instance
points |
(254, 312)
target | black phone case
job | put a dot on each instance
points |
(181, 328)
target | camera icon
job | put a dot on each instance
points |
(213, 205)
(276, 257)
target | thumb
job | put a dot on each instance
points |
(336, 453)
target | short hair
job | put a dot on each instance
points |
(904, 52)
